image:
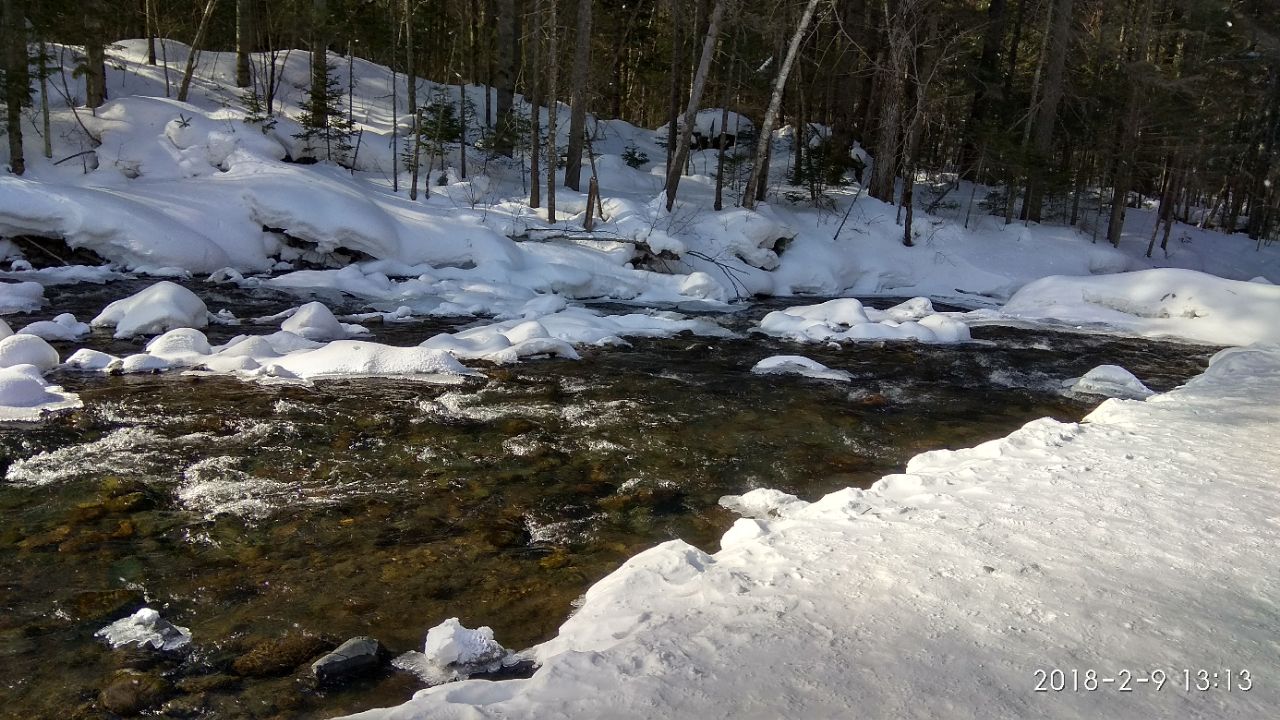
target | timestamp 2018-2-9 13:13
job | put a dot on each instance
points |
(1185, 679)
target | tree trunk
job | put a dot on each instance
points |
(893, 89)
(535, 108)
(149, 10)
(504, 76)
(553, 71)
(1047, 114)
(677, 65)
(95, 71)
(244, 41)
(676, 168)
(578, 102)
(185, 86)
(755, 180)
(986, 75)
(411, 87)
(14, 38)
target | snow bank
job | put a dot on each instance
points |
(346, 358)
(26, 397)
(145, 628)
(1110, 381)
(845, 319)
(161, 307)
(944, 590)
(1182, 304)
(798, 365)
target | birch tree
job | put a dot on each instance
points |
(676, 168)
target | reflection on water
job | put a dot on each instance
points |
(275, 520)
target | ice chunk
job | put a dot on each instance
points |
(452, 652)
(1111, 381)
(798, 365)
(20, 297)
(147, 629)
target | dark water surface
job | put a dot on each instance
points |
(276, 520)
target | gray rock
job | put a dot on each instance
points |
(355, 656)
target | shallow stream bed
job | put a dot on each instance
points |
(274, 521)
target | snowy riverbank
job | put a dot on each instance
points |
(1141, 539)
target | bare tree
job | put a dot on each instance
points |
(775, 104)
(676, 168)
(244, 40)
(95, 70)
(1047, 113)
(578, 98)
(552, 69)
(194, 51)
(504, 76)
(14, 39)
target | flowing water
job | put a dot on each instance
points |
(274, 521)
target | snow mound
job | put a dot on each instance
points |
(5, 330)
(846, 319)
(63, 328)
(20, 296)
(314, 321)
(1110, 381)
(157, 309)
(25, 396)
(452, 652)
(1173, 303)
(798, 365)
(356, 358)
(27, 350)
(145, 628)
(92, 361)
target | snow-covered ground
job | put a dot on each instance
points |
(1140, 541)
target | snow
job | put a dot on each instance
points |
(1110, 381)
(26, 397)
(62, 327)
(845, 319)
(357, 358)
(557, 333)
(20, 296)
(1169, 303)
(161, 307)
(799, 365)
(315, 321)
(940, 591)
(145, 628)
(27, 350)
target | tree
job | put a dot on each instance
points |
(244, 40)
(504, 77)
(676, 168)
(196, 44)
(580, 81)
(775, 103)
(95, 70)
(1047, 113)
(17, 82)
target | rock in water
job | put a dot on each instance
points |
(355, 656)
(130, 692)
(146, 628)
(1111, 381)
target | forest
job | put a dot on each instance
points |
(1062, 106)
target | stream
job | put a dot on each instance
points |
(276, 521)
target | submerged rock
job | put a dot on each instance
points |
(353, 657)
(279, 656)
(130, 692)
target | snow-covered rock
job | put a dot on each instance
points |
(761, 503)
(799, 365)
(314, 321)
(64, 328)
(25, 396)
(846, 319)
(90, 360)
(145, 628)
(23, 349)
(157, 309)
(1110, 381)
